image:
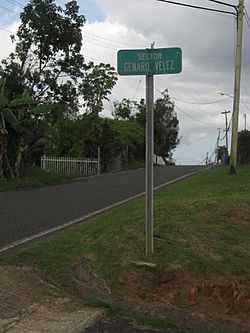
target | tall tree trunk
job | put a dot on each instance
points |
(8, 172)
(19, 157)
(1, 157)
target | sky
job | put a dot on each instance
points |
(207, 40)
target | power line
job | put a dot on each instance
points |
(196, 119)
(215, 71)
(11, 32)
(199, 139)
(98, 44)
(244, 104)
(98, 39)
(194, 103)
(247, 16)
(248, 24)
(247, 19)
(197, 7)
(228, 128)
(224, 4)
(5, 8)
(138, 85)
(202, 162)
(12, 2)
(111, 40)
(101, 60)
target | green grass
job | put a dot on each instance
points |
(207, 216)
(33, 177)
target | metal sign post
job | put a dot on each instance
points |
(149, 62)
(149, 221)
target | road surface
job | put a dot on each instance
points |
(27, 214)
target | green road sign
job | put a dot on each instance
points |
(149, 61)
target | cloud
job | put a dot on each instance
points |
(208, 46)
(6, 45)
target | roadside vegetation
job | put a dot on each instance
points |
(33, 177)
(202, 250)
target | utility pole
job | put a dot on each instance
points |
(237, 78)
(207, 158)
(245, 118)
(217, 147)
(225, 113)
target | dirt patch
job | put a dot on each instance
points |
(239, 216)
(178, 297)
(215, 297)
(184, 290)
(181, 290)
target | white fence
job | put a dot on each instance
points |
(71, 165)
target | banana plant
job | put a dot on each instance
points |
(6, 117)
(20, 120)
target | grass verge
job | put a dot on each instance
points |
(33, 177)
(205, 222)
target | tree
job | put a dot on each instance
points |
(82, 136)
(166, 124)
(47, 60)
(125, 109)
(244, 147)
(38, 80)
(42, 81)
(131, 138)
(6, 117)
(96, 86)
(19, 118)
(166, 128)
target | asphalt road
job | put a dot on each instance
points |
(28, 212)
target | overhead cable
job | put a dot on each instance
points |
(197, 7)
(138, 85)
(11, 32)
(109, 39)
(247, 19)
(9, 10)
(224, 4)
(12, 2)
(199, 139)
(196, 119)
(194, 103)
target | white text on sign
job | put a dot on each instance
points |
(145, 63)
(145, 66)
